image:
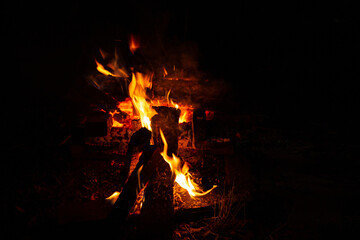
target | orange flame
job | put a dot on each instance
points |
(182, 175)
(137, 92)
(134, 43)
(112, 199)
(101, 69)
(165, 72)
(183, 118)
(118, 72)
(186, 111)
(126, 106)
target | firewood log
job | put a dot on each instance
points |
(138, 142)
(128, 196)
(167, 120)
(155, 221)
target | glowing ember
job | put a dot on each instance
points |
(182, 175)
(127, 107)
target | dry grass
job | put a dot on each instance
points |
(227, 223)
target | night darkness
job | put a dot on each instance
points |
(295, 62)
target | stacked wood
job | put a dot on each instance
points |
(97, 124)
(193, 92)
(155, 220)
(199, 127)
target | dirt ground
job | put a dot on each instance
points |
(278, 182)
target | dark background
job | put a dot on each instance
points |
(295, 58)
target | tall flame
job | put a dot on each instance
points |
(137, 92)
(182, 175)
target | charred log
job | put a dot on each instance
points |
(128, 196)
(158, 210)
(115, 87)
(139, 141)
(155, 221)
(167, 120)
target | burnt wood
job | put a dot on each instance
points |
(156, 218)
(130, 191)
(139, 141)
(167, 120)
(115, 87)
(193, 92)
(157, 213)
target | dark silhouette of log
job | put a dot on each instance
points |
(131, 189)
(138, 142)
(167, 120)
(155, 221)
(156, 218)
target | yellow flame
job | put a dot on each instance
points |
(112, 199)
(183, 118)
(165, 72)
(101, 69)
(182, 175)
(137, 92)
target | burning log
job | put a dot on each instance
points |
(139, 141)
(158, 209)
(155, 221)
(167, 120)
(128, 196)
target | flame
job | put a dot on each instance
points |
(101, 69)
(114, 122)
(182, 117)
(182, 175)
(137, 92)
(117, 124)
(112, 199)
(186, 110)
(118, 72)
(134, 43)
(126, 106)
(103, 54)
(165, 72)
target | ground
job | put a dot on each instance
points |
(279, 182)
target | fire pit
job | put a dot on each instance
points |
(159, 144)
